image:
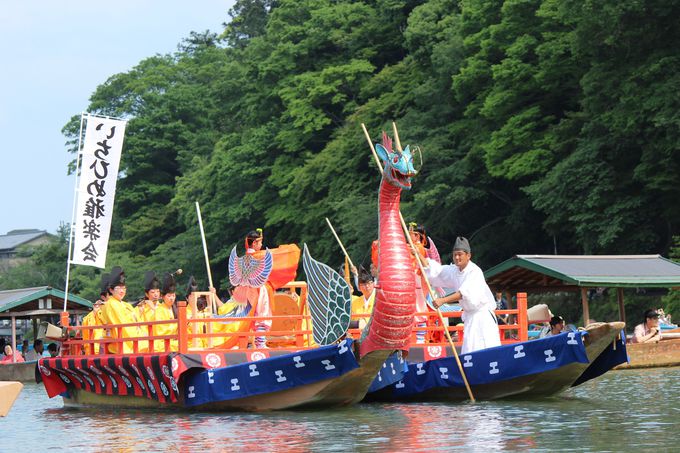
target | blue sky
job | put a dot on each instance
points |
(55, 54)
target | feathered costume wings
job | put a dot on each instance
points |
(248, 270)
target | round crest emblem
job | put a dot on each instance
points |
(434, 351)
(175, 364)
(44, 371)
(213, 360)
(166, 371)
(257, 355)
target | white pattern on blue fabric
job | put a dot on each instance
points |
(519, 352)
(550, 358)
(327, 365)
(298, 361)
(494, 368)
(572, 340)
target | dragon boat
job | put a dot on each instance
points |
(525, 369)
(328, 371)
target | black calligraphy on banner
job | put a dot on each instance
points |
(95, 206)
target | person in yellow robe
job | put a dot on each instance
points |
(163, 312)
(117, 311)
(197, 308)
(363, 305)
(94, 319)
(152, 291)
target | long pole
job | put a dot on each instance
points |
(339, 242)
(213, 304)
(205, 255)
(420, 265)
(73, 211)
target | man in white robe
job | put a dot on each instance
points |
(470, 290)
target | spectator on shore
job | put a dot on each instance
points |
(36, 352)
(501, 304)
(53, 349)
(24, 348)
(556, 326)
(9, 354)
(648, 331)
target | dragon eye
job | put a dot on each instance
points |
(395, 160)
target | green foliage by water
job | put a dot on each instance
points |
(545, 125)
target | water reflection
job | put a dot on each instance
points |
(620, 411)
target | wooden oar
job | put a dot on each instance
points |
(340, 242)
(420, 265)
(207, 266)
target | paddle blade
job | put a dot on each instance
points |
(329, 300)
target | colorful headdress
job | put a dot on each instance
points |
(252, 236)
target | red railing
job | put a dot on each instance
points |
(95, 339)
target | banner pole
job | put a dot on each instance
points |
(73, 209)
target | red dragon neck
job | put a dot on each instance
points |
(395, 300)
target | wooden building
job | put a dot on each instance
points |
(552, 273)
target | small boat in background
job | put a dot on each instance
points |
(20, 371)
(665, 353)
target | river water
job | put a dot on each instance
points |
(620, 411)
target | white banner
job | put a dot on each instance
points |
(96, 190)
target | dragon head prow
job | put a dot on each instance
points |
(397, 165)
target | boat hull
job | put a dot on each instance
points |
(539, 385)
(665, 353)
(344, 390)
(21, 372)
